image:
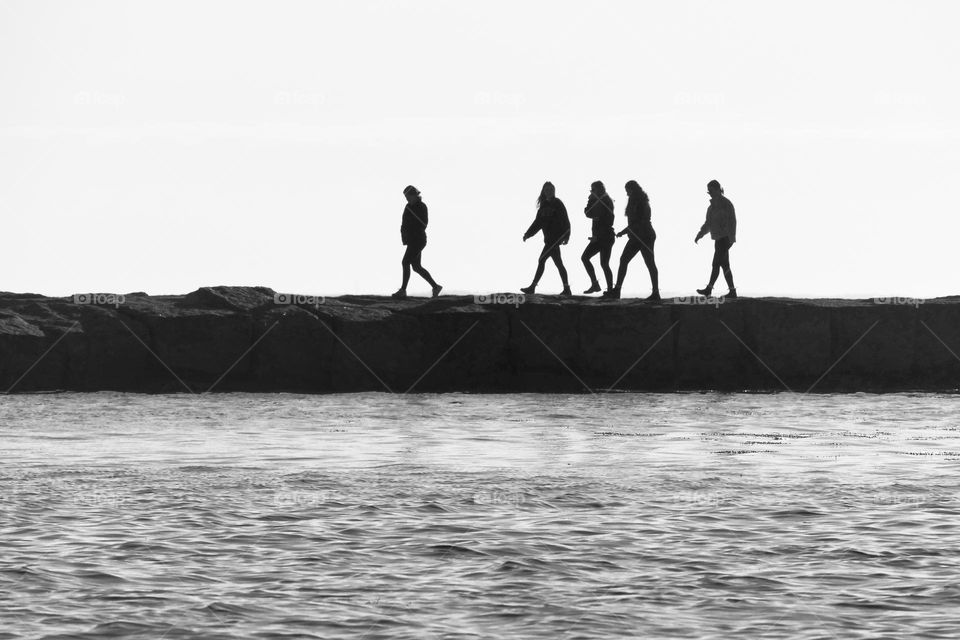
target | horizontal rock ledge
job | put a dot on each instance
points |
(225, 339)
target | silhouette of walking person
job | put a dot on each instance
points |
(721, 223)
(641, 239)
(413, 233)
(552, 219)
(600, 209)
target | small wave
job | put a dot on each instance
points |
(796, 513)
(98, 576)
(454, 549)
(121, 628)
(433, 507)
(518, 567)
(226, 608)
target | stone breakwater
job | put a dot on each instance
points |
(252, 339)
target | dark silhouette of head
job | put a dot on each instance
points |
(714, 188)
(634, 190)
(547, 193)
(411, 192)
(597, 188)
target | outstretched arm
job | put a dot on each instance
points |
(534, 228)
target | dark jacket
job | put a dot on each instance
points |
(638, 218)
(600, 210)
(553, 220)
(413, 228)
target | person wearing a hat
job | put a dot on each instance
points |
(413, 233)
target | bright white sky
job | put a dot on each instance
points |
(163, 146)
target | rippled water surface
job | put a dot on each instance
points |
(458, 516)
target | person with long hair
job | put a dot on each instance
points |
(553, 221)
(599, 209)
(413, 234)
(721, 223)
(641, 239)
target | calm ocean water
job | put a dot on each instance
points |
(461, 516)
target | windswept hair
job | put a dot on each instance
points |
(634, 190)
(547, 186)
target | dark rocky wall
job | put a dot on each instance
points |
(242, 339)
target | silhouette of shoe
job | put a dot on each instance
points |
(611, 294)
(532, 289)
(705, 292)
(436, 290)
(566, 292)
(400, 294)
(595, 287)
(732, 294)
(654, 297)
